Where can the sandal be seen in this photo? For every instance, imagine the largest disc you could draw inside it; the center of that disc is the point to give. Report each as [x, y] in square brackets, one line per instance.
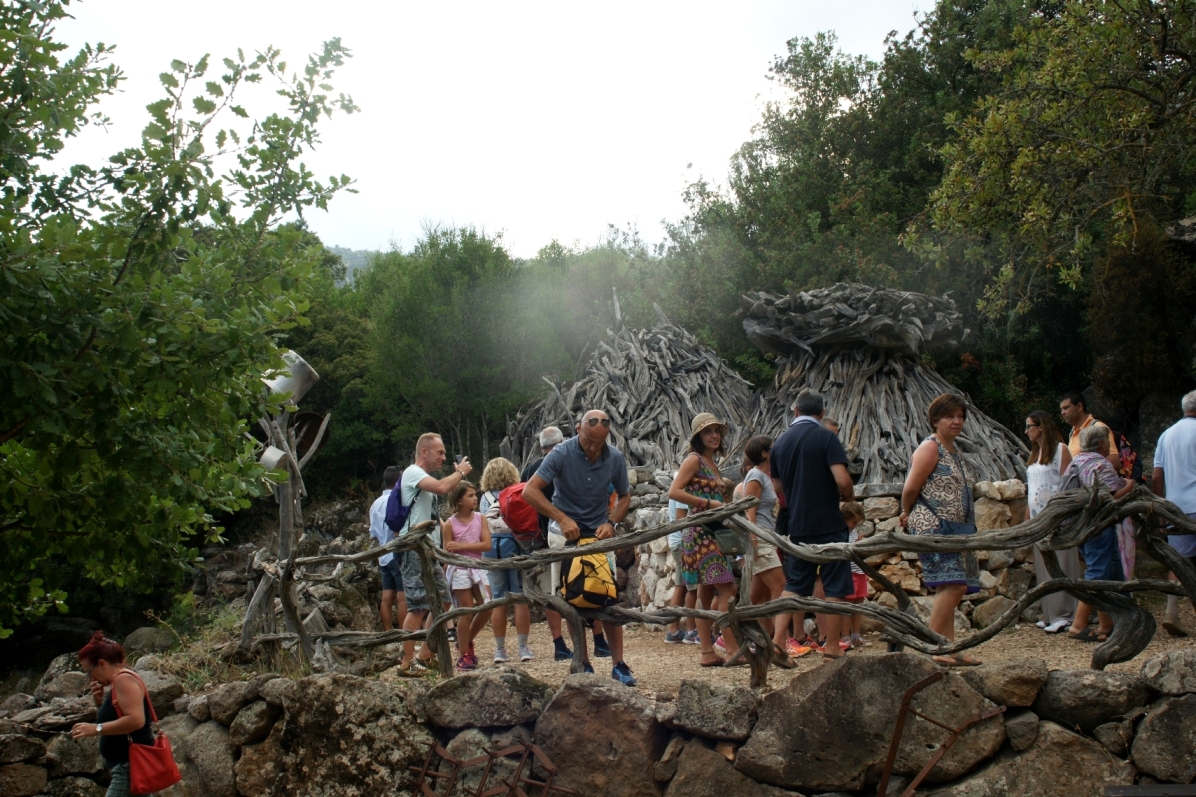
[718, 661]
[1087, 636]
[962, 660]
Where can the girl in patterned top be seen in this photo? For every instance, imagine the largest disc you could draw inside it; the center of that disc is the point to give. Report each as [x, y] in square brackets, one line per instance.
[937, 489]
[699, 486]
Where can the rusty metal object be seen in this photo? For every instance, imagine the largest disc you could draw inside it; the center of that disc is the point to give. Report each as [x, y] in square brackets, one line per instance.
[905, 709]
[513, 789]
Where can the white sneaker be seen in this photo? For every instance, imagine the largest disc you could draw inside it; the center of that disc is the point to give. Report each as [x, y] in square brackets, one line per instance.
[1041, 624]
[525, 653]
[501, 657]
[1057, 626]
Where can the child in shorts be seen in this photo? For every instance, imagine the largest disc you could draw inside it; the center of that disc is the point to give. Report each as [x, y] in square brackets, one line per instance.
[853, 515]
[467, 533]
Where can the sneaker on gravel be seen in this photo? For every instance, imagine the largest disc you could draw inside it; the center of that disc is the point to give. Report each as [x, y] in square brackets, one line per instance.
[452, 635]
[525, 653]
[674, 637]
[501, 657]
[588, 669]
[858, 641]
[413, 670]
[691, 638]
[562, 655]
[622, 673]
[718, 643]
[845, 643]
[602, 651]
[795, 649]
[467, 662]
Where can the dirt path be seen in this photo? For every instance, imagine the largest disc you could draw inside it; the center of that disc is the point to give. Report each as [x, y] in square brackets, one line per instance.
[661, 667]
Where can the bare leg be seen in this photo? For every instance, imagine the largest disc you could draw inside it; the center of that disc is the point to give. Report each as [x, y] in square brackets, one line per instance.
[691, 601]
[725, 593]
[706, 595]
[833, 624]
[464, 597]
[388, 600]
[412, 622]
[614, 639]
[677, 600]
[942, 618]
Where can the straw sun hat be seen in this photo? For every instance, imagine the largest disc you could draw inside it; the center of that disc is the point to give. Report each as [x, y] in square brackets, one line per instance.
[704, 420]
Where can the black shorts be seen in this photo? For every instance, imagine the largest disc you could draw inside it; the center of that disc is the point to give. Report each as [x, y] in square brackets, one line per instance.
[392, 578]
[800, 575]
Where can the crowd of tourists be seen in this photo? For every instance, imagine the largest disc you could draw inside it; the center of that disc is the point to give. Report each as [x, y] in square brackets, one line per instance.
[578, 492]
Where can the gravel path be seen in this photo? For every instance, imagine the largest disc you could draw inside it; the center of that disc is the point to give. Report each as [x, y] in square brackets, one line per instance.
[661, 667]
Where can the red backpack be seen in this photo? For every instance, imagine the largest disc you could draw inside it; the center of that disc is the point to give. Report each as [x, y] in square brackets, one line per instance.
[518, 514]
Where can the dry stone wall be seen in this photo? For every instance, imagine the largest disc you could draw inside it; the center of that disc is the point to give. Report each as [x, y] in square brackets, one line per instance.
[1065, 733]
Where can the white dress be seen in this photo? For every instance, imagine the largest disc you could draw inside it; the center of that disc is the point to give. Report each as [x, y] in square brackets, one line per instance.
[1042, 482]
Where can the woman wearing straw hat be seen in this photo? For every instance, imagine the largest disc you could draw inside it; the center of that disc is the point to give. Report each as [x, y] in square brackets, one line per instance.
[699, 486]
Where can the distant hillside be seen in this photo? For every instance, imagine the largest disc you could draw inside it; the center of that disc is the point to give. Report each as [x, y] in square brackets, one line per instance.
[354, 258]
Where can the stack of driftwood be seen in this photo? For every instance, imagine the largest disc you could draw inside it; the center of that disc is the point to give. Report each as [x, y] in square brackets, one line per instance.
[651, 383]
[850, 315]
[859, 347]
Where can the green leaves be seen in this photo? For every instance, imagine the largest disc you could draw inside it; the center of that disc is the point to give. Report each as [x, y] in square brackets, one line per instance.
[141, 310]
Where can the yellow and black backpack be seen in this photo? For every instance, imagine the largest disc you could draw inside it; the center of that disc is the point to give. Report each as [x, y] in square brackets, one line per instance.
[587, 580]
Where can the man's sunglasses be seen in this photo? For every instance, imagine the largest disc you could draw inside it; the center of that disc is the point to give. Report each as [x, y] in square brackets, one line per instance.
[595, 421]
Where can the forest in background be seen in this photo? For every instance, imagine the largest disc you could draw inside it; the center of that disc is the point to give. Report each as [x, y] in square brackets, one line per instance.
[1025, 156]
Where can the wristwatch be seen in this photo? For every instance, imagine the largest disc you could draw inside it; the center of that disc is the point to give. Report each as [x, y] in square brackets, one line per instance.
[99, 729]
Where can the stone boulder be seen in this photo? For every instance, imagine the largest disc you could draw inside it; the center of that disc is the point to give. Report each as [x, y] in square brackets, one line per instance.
[15, 704]
[163, 690]
[199, 709]
[74, 786]
[1115, 736]
[704, 772]
[67, 662]
[341, 734]
[1172, 673]
[991, 610]
[487, 698]
[275, 690]
[67, 756]
[210, 752]
[227, 699]
[1015, 682]
[1085, 699]
[150, 639]
[68, 684]
[1165, 745]
[16, 747]
[1059, 764]
[602, 736]
[258, 769]
[716, 712]
[991, 514]
[1022, 729]
[850, 707]
[60, 715]
[21, 780]
[253, 723]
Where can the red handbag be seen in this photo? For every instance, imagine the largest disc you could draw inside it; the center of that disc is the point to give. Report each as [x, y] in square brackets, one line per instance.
[151, 766]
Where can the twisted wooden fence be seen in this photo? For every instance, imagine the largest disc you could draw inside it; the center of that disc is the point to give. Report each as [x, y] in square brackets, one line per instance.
[1068, 520]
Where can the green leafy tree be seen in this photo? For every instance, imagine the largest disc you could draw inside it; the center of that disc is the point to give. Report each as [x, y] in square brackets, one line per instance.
[142, 302]
[1088, 141]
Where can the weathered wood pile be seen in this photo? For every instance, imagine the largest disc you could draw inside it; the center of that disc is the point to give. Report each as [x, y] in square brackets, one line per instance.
[651, 383]
[847, 314]
[859, 347]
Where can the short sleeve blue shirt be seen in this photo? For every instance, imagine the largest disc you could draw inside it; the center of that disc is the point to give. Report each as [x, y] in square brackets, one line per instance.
[580, 487]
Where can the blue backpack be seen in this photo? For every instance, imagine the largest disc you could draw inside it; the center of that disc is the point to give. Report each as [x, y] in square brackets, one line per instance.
[396, 512]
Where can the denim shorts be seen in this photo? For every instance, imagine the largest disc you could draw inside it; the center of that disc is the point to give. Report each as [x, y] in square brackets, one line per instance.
[1102, 557]
[392, 577]
[800, 575]
[503, 546]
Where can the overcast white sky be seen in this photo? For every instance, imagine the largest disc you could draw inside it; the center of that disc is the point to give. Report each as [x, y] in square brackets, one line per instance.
[536, 120]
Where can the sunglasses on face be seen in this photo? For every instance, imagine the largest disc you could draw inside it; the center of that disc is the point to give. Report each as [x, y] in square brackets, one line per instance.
[595, 421]
[1031, 426]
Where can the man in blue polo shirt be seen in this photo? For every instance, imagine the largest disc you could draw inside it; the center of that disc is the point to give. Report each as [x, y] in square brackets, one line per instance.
[811, 465]
[581, 471]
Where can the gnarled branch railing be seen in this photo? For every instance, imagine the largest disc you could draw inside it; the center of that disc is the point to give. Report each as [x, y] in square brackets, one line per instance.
[1068, 520]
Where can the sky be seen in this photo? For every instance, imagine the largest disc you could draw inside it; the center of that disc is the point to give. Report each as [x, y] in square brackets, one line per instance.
[536, 121]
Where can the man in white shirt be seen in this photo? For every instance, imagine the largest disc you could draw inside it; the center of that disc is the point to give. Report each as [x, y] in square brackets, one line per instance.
[1174, 478]
[392, 580]
[416, 491]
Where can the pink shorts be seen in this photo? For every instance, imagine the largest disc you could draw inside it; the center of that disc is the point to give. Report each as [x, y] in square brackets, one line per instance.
[860, 581]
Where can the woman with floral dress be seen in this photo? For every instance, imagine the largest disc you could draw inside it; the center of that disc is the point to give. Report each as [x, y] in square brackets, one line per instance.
[937, 489]
[699, 486]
